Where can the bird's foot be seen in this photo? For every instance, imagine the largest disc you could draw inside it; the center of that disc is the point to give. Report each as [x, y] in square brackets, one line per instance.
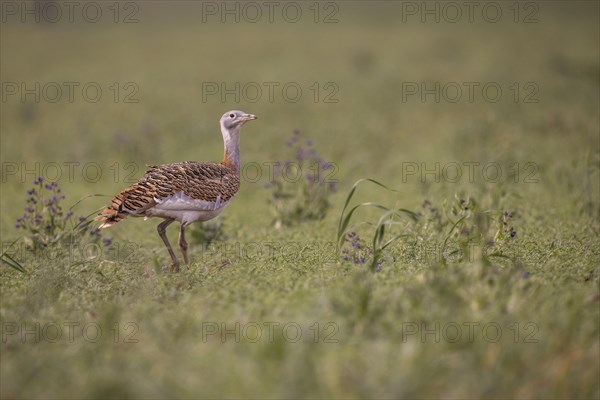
[175, 267]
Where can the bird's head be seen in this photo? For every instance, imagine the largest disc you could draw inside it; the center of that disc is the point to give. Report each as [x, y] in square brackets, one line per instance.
[235, 119]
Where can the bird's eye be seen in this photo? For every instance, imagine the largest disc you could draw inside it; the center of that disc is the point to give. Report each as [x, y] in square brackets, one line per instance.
[231, 115]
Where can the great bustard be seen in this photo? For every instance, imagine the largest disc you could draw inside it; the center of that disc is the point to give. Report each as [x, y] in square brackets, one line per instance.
[186, 192]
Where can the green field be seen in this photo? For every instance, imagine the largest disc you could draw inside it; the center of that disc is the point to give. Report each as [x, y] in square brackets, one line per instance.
[487, 132]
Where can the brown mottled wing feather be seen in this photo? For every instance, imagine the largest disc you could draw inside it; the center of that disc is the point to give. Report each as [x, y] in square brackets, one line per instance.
[200, 181]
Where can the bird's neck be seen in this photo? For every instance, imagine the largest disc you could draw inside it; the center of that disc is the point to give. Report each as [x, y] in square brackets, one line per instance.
[231, 141]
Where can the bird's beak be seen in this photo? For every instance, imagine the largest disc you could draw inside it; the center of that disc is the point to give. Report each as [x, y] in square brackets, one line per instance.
[248, 117]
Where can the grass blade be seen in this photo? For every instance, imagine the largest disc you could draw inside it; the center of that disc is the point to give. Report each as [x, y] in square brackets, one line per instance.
[346, 220]
[11, 261]
[351, 194]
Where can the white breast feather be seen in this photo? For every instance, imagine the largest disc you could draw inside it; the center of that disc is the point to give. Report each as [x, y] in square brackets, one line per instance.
[181, 202]
[186, 209]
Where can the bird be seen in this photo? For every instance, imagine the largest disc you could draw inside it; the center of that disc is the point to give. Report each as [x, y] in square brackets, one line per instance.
[186, 192]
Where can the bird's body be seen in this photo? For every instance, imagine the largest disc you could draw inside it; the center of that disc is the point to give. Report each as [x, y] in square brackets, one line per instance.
[186, 192]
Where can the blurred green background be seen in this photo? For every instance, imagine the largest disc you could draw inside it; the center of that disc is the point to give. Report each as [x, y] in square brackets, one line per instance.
[365, 54]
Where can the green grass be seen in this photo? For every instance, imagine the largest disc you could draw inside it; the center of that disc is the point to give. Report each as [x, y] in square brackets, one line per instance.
[540, 288]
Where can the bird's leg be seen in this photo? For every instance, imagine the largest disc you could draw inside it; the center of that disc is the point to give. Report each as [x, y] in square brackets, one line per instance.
[182, 243]
[162, 227]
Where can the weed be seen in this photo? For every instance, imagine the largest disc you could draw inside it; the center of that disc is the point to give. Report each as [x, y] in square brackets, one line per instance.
[300, 189]
[463, 223]
[45, 222]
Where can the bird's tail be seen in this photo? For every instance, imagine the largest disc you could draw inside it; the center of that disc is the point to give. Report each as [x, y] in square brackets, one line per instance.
[111, 215]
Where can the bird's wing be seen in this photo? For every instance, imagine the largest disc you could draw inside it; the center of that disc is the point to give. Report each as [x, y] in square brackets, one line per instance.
[198, 180]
